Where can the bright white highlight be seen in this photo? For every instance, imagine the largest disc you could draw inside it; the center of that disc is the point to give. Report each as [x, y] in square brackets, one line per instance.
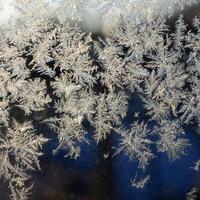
[97, 15]
[7, 10]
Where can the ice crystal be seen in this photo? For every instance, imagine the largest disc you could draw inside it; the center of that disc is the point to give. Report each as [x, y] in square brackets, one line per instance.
[48, 58]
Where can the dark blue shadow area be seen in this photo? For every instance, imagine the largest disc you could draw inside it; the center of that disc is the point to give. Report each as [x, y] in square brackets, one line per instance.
[94, 176]
[97, 175]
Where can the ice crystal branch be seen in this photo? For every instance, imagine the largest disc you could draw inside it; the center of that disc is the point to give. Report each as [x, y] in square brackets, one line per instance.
[136, 144]
[20, 150]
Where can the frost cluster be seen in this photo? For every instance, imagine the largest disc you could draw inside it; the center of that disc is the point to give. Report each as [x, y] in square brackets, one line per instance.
[50, 60]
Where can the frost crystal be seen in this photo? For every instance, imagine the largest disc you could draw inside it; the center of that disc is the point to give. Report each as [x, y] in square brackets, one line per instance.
[50, 61]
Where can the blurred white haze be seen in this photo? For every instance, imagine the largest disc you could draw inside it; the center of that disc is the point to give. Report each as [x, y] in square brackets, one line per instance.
[98, 14]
